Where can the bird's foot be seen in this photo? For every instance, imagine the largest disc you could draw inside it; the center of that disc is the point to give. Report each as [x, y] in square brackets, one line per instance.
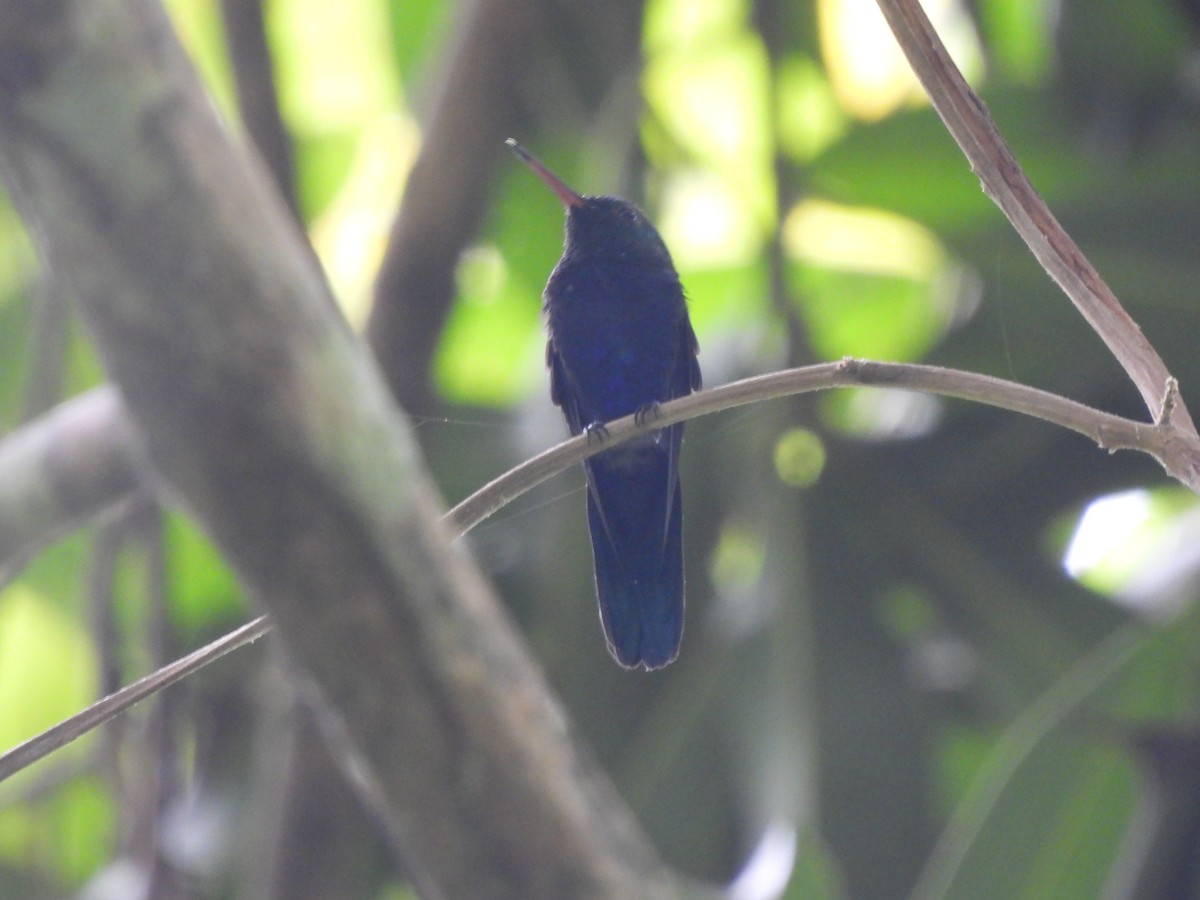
[596, 431]
[644, 414]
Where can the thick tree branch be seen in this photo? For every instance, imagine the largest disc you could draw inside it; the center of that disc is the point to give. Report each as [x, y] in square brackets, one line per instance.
[63, 469]
[266, 417]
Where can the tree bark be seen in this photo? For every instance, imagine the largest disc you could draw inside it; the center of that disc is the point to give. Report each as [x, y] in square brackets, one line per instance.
[64, 468]
[268, 421]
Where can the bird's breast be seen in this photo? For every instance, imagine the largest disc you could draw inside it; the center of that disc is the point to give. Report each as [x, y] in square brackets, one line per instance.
[616, 331]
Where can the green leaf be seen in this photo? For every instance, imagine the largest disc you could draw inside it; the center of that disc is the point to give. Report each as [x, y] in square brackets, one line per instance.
[47, 669]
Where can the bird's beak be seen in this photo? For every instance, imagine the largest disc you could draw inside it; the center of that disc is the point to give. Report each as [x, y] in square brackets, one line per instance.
[556, 184]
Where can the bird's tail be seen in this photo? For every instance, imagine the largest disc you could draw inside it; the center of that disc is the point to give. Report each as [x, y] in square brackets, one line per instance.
[635, 516]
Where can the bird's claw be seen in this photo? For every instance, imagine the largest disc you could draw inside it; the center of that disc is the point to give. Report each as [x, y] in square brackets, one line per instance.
[596, 431]
[644, 414]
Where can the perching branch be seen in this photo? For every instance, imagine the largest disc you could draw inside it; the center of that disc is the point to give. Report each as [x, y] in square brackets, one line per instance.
[1108, 431]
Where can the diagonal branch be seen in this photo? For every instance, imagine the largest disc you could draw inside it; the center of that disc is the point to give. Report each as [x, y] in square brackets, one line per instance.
[245, 29]
[29, 752]
[967, 119]
[473, 106]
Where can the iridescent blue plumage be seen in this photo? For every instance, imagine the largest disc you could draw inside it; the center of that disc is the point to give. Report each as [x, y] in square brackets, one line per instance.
[621, 342]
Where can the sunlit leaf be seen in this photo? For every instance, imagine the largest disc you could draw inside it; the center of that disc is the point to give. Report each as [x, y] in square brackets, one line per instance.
[336, 67]
[46, 665]
[671, 23]
[868, 283]
[1124, 543]
[706, 222]
[1018, 37]
[799, 457]
[726, 302]
[419, 29]
[860, 314]
[809, 117]
[709, 87]
[352, 231]
[867, 69]
[85, 820]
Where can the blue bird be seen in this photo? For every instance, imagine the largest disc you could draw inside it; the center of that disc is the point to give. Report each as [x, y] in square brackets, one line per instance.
[620, 342]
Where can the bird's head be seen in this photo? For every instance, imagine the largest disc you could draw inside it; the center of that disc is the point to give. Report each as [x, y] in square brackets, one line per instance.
[601, 227]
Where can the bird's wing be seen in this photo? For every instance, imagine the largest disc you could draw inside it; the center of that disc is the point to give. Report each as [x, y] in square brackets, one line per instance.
[684, 380]
[561, 392]
[688, 373]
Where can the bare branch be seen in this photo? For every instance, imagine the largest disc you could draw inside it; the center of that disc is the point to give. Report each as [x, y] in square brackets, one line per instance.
[1005, 182]
[498, 66]
[1108, 431]
[101, 711]
[245, 31]
[472, 107]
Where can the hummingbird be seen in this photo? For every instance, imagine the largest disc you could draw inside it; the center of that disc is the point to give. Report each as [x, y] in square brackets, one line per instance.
[620, 342]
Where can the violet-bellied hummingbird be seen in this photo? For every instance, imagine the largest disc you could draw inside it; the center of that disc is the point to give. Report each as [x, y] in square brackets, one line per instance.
[620, 342]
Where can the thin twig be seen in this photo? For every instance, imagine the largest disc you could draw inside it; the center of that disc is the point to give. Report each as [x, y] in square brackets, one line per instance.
[81, 723]
[1108, 431]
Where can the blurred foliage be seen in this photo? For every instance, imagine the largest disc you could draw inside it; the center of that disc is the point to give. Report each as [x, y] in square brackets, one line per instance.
[889, 685]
